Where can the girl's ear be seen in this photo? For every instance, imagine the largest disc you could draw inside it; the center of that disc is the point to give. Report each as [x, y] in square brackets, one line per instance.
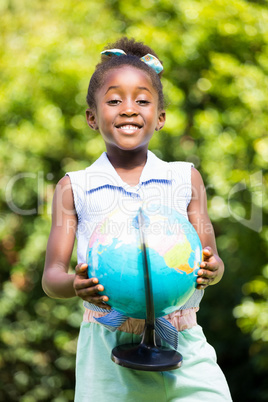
[91, 119]
[161, 120]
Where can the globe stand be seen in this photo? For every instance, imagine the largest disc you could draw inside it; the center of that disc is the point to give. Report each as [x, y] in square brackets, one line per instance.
[146, 355]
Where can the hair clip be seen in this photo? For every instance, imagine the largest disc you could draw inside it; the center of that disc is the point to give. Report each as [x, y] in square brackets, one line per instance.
[148, 59]
[113, 52]
[153, 62]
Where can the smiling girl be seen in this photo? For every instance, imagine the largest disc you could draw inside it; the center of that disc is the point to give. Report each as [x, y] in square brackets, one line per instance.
[126, 105]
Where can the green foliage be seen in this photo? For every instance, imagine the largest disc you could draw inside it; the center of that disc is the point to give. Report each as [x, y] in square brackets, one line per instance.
[215, 55]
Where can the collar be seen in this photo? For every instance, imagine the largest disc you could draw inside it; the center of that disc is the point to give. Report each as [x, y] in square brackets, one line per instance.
[102, 173]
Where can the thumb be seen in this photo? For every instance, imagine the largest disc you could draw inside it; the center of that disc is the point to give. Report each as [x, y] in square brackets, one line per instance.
[81, 270]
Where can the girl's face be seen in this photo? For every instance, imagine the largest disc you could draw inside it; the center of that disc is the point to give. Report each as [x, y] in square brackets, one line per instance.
[127, 111]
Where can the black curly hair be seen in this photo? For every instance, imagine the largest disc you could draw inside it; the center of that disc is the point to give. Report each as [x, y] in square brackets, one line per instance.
[134, 51]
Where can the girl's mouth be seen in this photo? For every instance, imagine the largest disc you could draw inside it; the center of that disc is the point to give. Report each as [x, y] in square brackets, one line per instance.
[128, 128]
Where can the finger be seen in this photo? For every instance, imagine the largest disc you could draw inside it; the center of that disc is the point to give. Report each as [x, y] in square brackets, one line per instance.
[206, 275]
[210, 266]
[93, 292]
[207, 252]
[100, 301]
[202, 283]
[81, 269]
[91, 283]
[200, 287]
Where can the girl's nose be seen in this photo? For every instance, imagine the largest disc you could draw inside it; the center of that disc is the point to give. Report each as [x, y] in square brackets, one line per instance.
[129, 109]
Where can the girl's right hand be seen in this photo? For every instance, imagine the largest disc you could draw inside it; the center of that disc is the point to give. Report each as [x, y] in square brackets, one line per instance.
[88, 288]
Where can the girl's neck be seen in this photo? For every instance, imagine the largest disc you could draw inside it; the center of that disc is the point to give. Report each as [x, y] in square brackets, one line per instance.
[127, 160]
[128, 165]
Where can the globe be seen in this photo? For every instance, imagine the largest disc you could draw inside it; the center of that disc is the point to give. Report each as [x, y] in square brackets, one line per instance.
[173, 250]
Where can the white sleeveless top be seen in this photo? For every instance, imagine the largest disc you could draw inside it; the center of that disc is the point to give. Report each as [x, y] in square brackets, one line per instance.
[98, 190]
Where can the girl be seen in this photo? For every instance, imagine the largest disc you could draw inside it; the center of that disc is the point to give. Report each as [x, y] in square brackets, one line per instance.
[126, 105]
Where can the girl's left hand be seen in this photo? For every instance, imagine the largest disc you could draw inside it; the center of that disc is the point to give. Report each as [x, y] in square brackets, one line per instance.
[209, 269]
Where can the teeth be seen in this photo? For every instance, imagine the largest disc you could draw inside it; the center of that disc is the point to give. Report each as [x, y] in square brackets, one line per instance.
[129, 127]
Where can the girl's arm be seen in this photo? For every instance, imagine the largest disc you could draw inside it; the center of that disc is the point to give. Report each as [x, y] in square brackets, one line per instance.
[56, 281]
[212, 267]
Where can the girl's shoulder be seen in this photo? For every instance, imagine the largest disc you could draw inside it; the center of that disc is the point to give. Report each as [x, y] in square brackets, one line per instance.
[181, 171]
[181, 164]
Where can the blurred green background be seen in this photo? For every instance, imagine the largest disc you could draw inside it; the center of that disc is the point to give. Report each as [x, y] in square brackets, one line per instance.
[215, 55]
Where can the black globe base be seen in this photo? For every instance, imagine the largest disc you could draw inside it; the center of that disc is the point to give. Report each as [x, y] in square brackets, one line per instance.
[146, 358]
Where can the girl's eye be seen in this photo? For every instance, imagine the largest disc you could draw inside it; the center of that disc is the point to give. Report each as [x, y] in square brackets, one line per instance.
[143, 102]
[113, 102]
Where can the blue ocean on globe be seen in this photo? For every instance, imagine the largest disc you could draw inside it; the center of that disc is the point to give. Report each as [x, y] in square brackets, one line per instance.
[174, 254]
